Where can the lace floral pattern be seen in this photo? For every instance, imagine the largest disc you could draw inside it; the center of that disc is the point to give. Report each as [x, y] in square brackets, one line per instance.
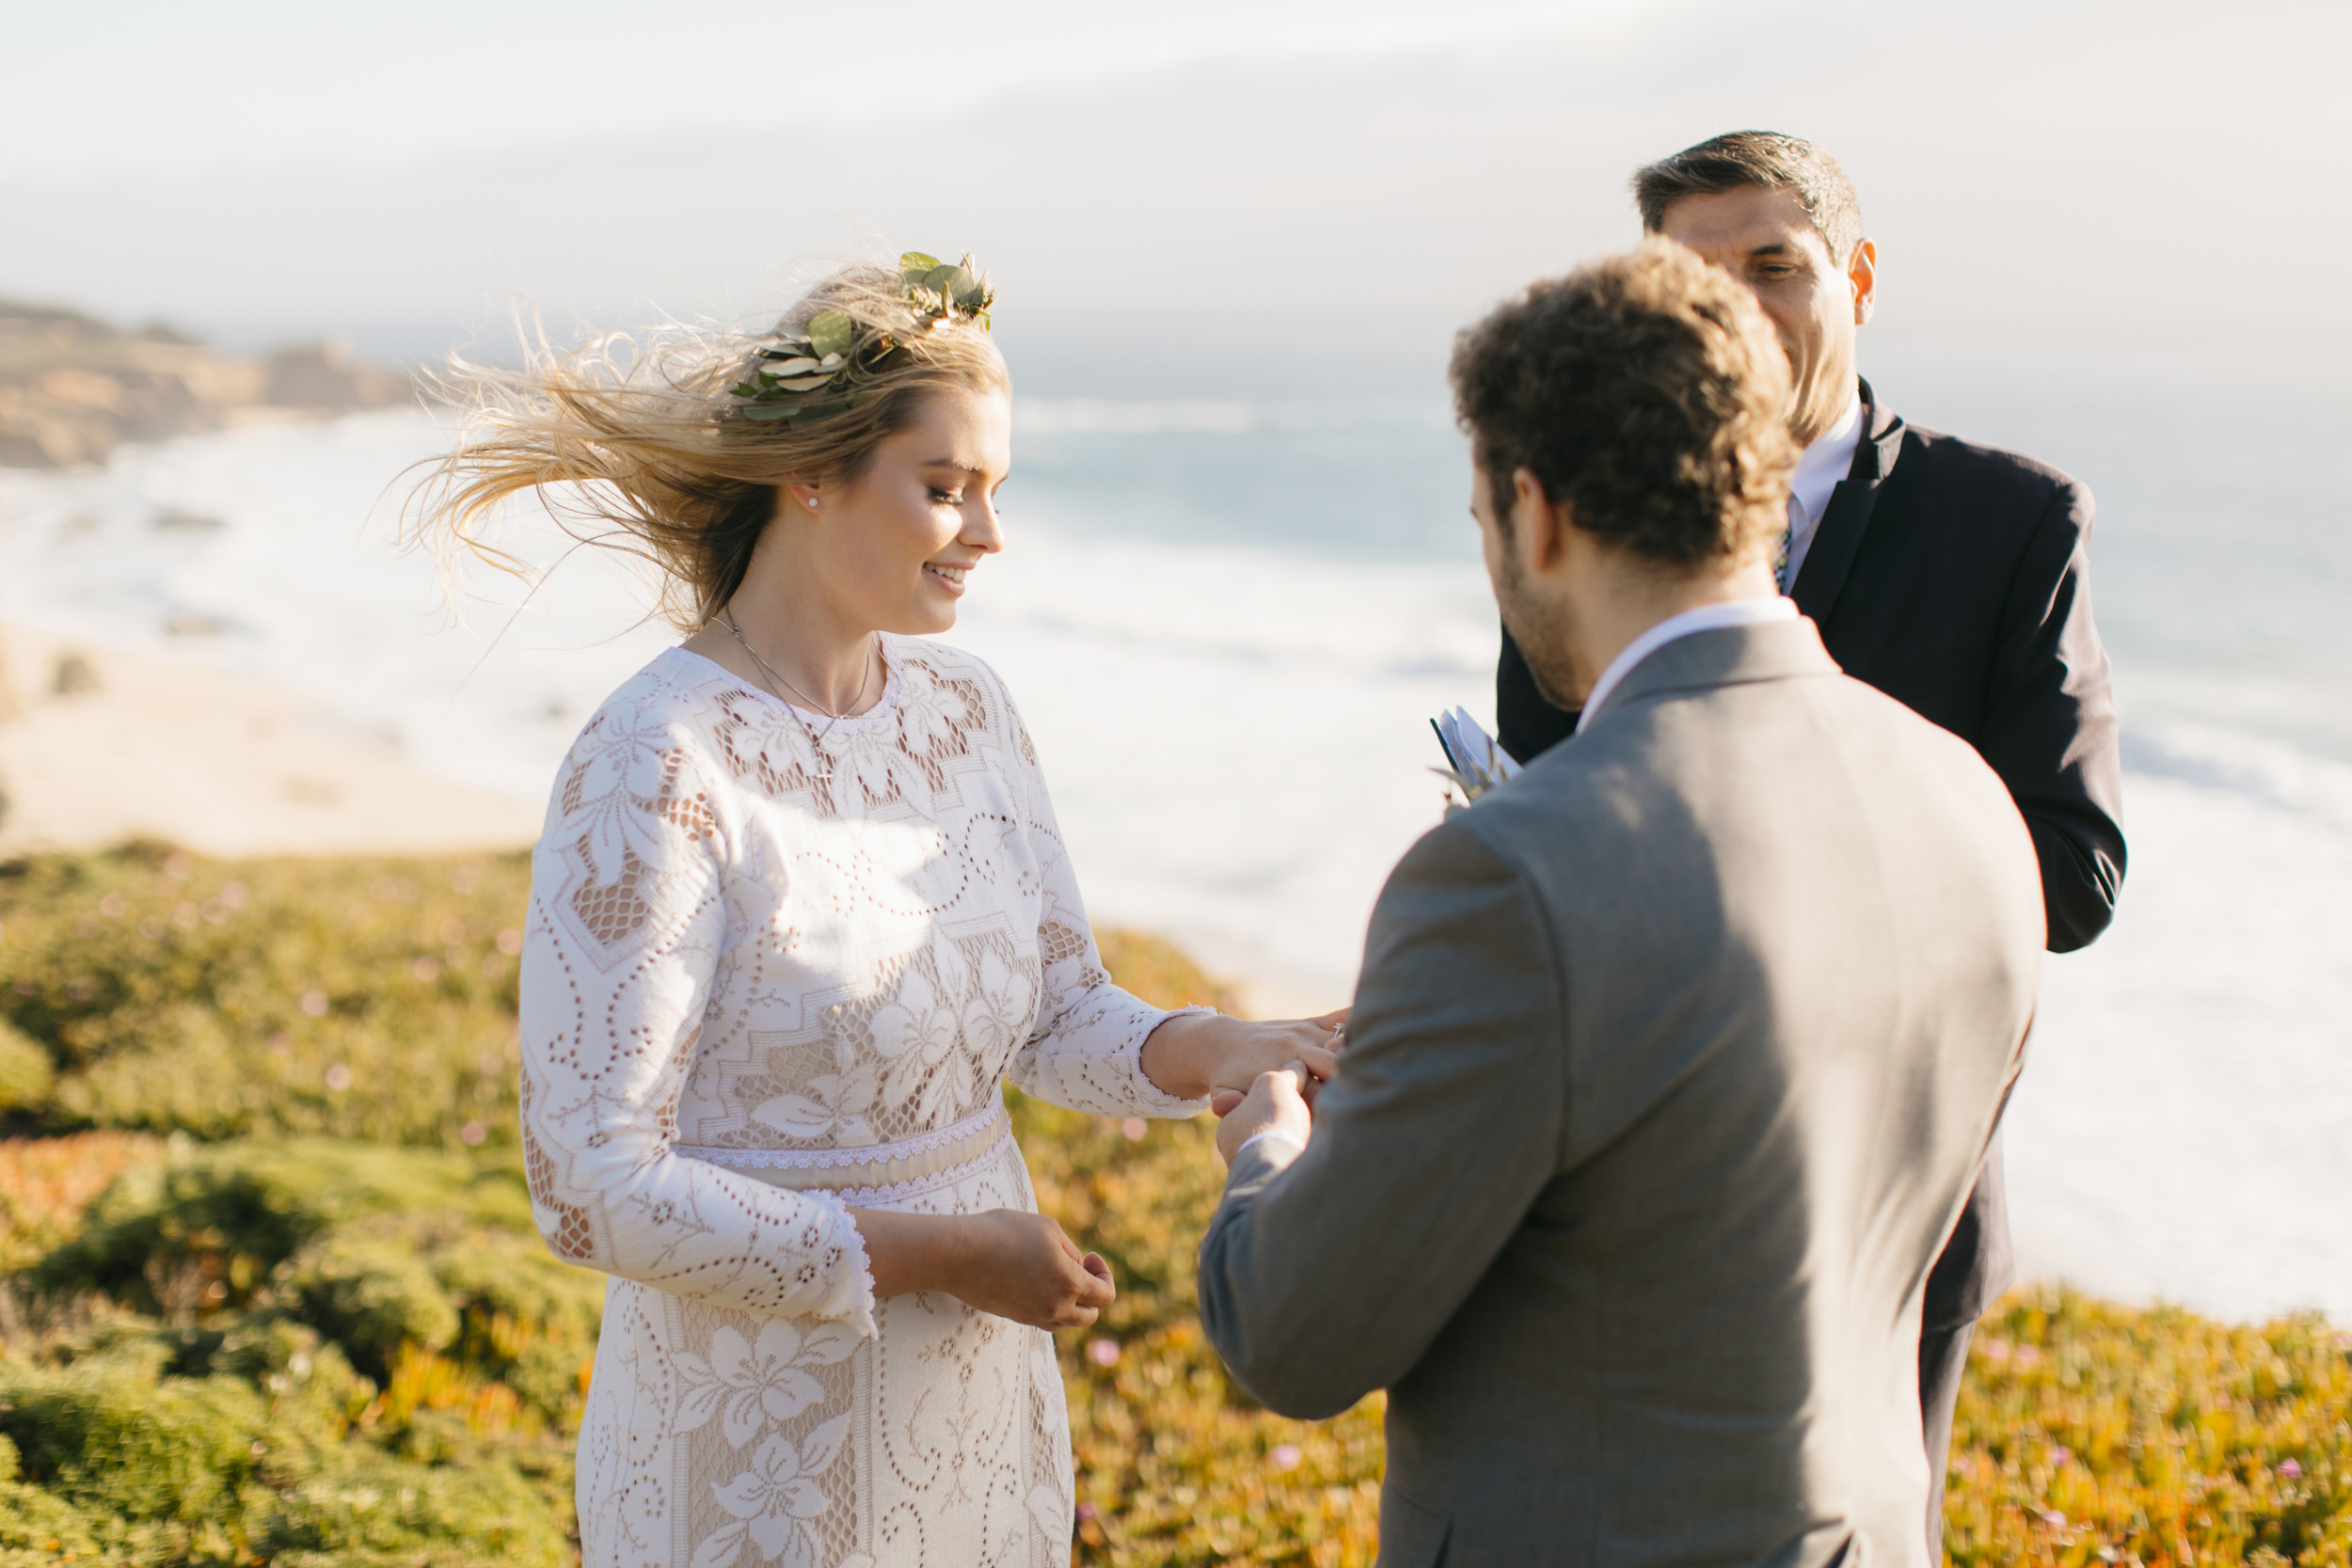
[770, 957]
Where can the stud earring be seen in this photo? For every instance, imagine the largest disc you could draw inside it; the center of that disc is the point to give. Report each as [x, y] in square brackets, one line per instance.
[812, 504]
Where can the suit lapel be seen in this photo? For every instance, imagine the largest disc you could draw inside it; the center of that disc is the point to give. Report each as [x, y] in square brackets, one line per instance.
[1848, 516]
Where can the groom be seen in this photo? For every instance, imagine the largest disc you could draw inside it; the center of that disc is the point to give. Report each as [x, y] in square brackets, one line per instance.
[1673, 1060]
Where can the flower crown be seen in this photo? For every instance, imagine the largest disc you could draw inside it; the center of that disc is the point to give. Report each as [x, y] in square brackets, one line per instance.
[817, 371]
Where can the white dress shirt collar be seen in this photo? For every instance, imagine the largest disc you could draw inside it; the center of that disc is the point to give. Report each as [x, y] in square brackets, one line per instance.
[1819, 466]
[1708, 617]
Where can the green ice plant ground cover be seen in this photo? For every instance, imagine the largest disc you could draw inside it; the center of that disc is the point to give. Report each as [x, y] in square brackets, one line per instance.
[149, 989]
[305, 1351]
[272, 1294]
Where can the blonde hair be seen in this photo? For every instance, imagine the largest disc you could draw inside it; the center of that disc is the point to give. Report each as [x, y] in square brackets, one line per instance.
[654, 449]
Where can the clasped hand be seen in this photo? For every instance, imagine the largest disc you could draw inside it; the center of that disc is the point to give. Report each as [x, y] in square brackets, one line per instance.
[1265, 1077]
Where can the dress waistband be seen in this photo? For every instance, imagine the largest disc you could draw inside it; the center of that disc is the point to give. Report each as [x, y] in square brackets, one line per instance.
[874, 1171]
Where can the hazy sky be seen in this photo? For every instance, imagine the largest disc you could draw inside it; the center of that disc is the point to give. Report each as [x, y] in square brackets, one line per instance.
[1196, 176]
[184, 87]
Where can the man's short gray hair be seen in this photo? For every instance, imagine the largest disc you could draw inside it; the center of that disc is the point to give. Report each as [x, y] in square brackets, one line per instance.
[1765, 159]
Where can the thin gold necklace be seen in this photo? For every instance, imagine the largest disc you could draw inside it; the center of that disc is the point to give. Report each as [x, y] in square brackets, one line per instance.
[815, 738]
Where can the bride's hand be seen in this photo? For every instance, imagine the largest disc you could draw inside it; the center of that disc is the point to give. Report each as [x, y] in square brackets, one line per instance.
[1312, 1043]
[1199, 1054]
[1024, 1268]
[1006, 1262]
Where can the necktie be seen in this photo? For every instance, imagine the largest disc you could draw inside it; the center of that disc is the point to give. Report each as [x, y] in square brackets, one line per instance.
[1788, 538]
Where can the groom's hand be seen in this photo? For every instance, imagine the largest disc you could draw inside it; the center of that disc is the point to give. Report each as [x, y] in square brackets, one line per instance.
[1278, 1103]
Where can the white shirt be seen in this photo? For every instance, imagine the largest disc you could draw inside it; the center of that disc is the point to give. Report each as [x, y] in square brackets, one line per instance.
[1273, 1135]
[1819, 469]
[1708, 617]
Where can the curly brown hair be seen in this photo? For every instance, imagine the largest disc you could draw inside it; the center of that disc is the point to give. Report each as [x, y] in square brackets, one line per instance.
[1644, 392]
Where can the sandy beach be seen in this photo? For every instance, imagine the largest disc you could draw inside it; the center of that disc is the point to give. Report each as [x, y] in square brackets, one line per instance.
[98, 746]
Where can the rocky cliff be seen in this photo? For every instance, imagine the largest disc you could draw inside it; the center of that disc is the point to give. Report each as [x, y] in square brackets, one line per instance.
[72, 387]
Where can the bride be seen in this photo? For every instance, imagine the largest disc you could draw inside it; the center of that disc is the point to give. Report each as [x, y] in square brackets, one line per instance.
[799, 910]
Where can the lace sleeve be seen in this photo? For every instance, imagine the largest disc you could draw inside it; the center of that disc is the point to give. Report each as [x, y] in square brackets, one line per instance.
[1087, 1049]
[627, 929]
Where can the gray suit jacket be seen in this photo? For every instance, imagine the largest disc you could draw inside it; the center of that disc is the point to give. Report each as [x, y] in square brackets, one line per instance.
[1672, 1065]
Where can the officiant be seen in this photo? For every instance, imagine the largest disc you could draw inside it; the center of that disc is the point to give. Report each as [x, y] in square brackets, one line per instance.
[1950, 575]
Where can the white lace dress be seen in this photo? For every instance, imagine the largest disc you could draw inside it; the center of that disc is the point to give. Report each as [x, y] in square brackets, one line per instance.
[759, 989]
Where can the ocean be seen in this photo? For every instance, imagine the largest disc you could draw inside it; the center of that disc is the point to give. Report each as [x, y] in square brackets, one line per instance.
[1229, 620]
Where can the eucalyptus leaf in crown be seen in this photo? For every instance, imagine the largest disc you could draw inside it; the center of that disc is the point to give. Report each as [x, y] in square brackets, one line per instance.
[817, 371]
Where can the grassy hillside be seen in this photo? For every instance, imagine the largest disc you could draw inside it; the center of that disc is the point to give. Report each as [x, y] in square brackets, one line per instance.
[147, 989]
[273, 1296]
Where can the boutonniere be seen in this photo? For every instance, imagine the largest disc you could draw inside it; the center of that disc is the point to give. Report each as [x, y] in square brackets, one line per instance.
[1473, 762]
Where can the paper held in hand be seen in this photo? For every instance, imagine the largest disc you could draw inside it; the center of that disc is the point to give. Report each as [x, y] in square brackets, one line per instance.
[1474, 761]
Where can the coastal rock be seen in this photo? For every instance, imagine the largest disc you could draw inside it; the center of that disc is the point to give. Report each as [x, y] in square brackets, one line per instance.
[74, 675]
[72, 387]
